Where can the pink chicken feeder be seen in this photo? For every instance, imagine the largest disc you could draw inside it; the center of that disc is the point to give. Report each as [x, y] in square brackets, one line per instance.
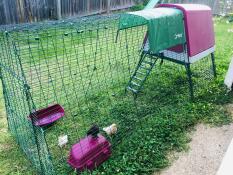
[47, 116]
[90, 151]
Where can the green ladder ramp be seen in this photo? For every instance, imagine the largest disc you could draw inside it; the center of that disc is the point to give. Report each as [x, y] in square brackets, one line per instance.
[141, 73]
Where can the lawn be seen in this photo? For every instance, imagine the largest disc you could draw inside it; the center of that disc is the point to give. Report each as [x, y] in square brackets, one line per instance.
[160, 123]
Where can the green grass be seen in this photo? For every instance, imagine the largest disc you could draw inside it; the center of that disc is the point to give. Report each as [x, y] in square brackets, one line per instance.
[12, 160]
[159, 125]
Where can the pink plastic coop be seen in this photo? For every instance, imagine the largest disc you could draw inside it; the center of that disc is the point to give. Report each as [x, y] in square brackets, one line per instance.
[199, 30]
[180, 33]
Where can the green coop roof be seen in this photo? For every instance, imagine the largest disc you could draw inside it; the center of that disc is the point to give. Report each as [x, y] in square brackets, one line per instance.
[143, 17]
[165, 26]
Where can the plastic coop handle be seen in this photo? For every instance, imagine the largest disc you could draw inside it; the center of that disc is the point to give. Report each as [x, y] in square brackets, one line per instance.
[151, 4]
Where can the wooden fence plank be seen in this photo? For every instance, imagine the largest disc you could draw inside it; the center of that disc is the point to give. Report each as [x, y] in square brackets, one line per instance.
[108, 6]
[58, 3]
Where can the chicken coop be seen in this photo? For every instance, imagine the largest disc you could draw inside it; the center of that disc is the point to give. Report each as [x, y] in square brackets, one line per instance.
[63, 81]
[184, 34]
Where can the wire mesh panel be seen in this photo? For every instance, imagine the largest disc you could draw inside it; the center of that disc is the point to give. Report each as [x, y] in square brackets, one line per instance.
[18, 106]
[79, 65]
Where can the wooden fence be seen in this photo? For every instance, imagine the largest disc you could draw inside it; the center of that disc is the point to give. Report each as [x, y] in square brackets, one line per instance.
[20, 11]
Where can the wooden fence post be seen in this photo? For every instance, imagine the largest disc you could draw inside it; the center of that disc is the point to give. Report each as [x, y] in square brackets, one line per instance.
[88, 7]
[6, 12]
[108, 6]
[101, 6]
[58, 9]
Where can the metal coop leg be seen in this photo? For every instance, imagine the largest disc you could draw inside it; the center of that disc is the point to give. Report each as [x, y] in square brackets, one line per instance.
[189, 74]
[213, 64]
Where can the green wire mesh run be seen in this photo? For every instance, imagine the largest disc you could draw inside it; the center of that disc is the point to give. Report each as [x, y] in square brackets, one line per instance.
[84, 65]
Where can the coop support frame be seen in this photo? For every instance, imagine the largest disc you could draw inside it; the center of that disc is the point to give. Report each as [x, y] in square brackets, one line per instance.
[187, 64]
